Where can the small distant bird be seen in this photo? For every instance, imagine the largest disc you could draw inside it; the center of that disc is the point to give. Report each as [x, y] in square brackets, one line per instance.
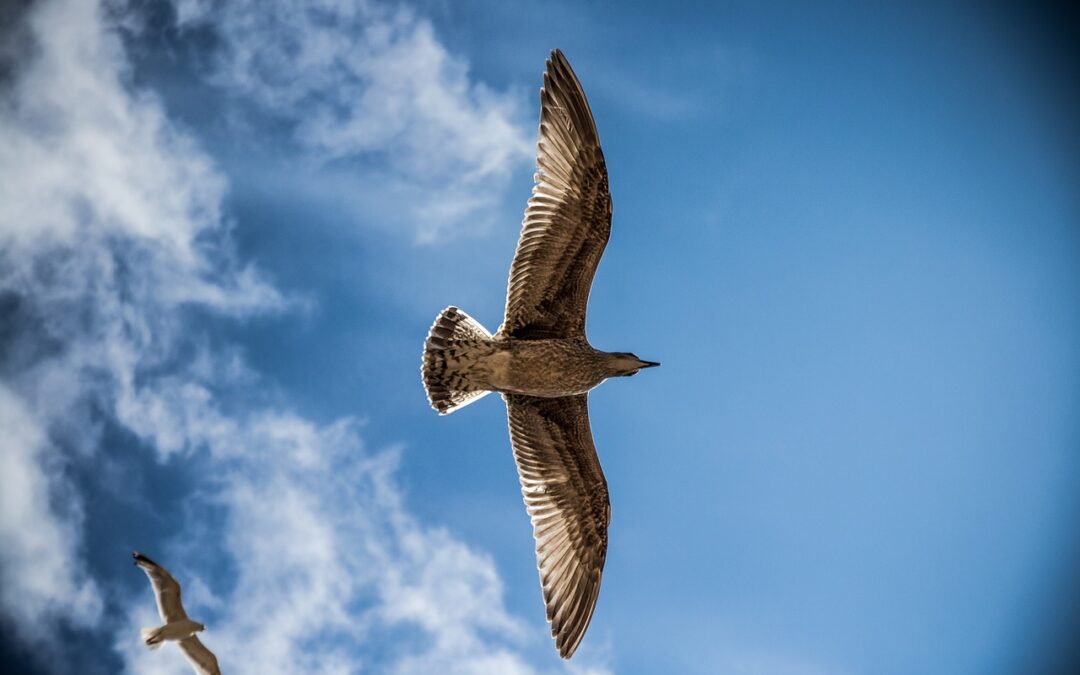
[178, 627]
[540, 360]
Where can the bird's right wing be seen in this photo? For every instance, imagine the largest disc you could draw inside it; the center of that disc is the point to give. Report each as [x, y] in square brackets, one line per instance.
[568, 219]
[202, 659]
[166, 589]
[567, 499]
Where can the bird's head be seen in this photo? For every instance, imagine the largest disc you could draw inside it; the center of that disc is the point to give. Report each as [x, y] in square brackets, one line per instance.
[625, 364]
[201, 627]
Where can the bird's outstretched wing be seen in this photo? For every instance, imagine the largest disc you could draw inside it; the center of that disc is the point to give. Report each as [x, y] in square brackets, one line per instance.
[567, 499]
[567, 221]
[166, 589]
[202, 659]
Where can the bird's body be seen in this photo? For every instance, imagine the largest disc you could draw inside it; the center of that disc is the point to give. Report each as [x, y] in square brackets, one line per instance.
[540, 360]
[546, 368]
[174, 631]
[552, 367]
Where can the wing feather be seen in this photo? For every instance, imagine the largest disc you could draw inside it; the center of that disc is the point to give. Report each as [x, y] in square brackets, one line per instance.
[202, 659]
[567, 499]
[568, 218]
[166, 589]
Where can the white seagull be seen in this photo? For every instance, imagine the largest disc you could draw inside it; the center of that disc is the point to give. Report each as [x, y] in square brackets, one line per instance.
[178, 627]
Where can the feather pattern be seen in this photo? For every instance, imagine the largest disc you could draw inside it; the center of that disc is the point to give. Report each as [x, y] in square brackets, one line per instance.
[568, 218]
[567, 499]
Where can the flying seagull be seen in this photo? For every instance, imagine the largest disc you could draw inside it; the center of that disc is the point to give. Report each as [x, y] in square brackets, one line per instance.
[178, 627]
[540, 360]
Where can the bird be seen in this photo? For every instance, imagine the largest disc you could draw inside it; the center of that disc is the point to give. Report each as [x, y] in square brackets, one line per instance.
[540, 360]
[178, 627]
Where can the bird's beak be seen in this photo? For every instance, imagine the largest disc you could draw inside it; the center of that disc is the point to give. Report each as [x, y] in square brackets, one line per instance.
[648, 364]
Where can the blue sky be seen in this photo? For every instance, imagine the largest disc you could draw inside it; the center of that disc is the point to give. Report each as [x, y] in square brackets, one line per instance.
[849, 234]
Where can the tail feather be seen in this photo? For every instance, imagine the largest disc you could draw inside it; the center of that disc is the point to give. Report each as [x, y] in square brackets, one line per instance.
[151, 637]
[452, 332]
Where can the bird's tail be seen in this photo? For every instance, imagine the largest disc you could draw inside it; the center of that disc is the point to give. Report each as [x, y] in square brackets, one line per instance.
[445, 351]
[151, 637]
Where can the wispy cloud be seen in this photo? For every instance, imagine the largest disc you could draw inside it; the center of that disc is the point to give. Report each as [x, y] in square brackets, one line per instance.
[332, 573]
[109, 223]
[38, 573]
[112, 238]
[358, 80]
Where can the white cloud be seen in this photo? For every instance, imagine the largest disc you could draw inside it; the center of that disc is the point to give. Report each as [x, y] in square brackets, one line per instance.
[106, 218]
[90, 163]
[357, 80]
[111, 232]
[37, 546]
[328, 563]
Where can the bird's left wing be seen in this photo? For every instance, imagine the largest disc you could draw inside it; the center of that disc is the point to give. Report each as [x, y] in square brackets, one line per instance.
[166, 589]
[567, 499]
[202, 659]
[568, 220]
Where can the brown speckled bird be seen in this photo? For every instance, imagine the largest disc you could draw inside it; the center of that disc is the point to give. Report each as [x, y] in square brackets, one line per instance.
[540, 360]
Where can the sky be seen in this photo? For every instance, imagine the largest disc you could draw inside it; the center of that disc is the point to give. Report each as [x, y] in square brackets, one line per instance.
[851, 235]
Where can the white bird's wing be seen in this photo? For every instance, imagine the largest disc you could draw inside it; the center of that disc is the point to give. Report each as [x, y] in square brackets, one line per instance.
[567, 221]
[567, 499]
[202, 659]
[166, 589]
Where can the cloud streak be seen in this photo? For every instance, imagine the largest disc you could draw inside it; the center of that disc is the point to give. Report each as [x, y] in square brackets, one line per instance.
[332, 573]
[38, 573]
[110, 223]
[369, 89]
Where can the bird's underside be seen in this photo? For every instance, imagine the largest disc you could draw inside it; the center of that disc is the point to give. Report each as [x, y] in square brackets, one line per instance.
[564, 232]
[177, 627]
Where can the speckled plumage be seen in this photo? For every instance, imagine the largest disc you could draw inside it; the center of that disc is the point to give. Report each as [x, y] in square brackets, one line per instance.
[553, 367]
[540, 360]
